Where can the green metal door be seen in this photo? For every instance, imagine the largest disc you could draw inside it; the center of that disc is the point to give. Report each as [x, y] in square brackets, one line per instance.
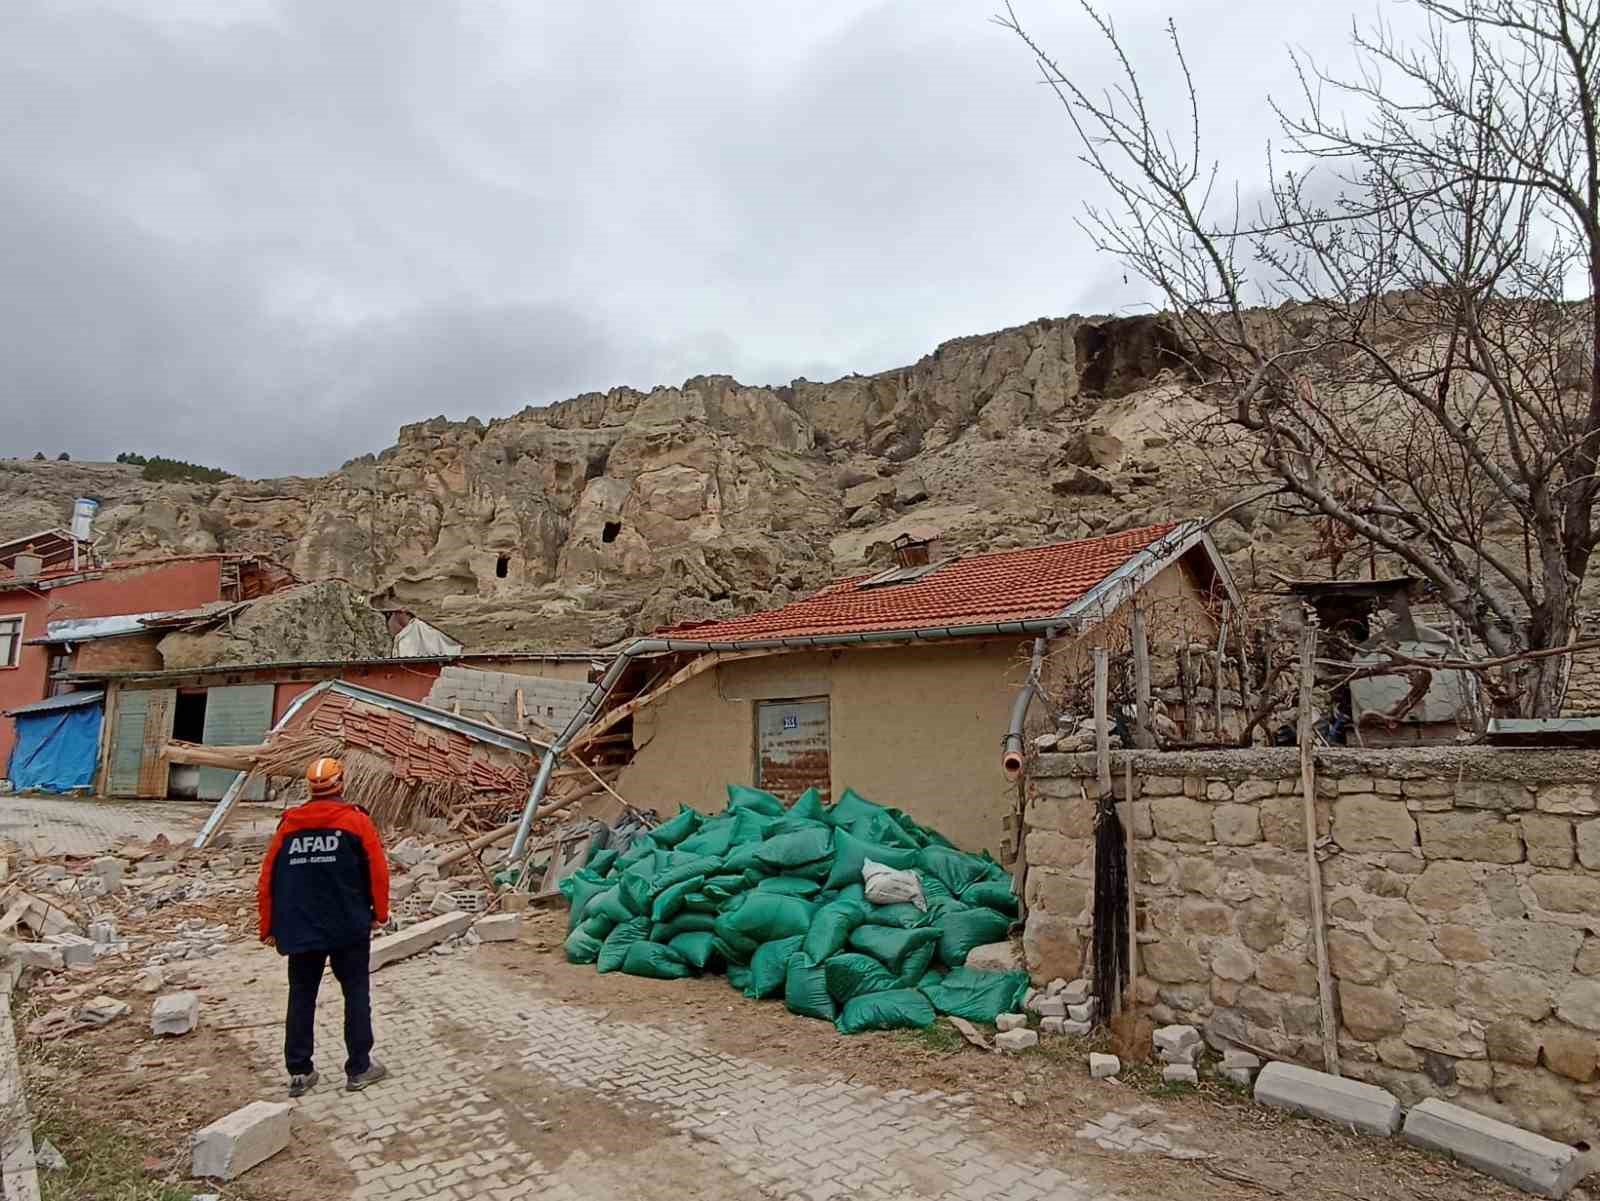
[236, 716]
[127, 742]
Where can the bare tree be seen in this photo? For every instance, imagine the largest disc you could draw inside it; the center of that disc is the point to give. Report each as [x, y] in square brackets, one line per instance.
[1402, 334]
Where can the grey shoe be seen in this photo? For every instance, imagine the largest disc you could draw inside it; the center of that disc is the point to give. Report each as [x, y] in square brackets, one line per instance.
[374, 1073]
[299, 1086]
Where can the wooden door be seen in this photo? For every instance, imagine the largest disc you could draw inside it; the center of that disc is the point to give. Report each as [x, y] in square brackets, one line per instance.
[153, 767]
[127, 742]
[792, 748]
[236, 716]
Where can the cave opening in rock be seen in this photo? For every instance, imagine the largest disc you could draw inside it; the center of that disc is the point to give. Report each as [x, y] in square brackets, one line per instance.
[610, 531]
[502, 566]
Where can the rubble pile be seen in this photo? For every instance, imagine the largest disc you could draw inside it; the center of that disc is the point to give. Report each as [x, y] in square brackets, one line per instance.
[852, 913]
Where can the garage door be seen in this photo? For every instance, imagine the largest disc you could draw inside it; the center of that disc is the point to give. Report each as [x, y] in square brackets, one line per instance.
[792, 748]
[142, 725]
[236, 716]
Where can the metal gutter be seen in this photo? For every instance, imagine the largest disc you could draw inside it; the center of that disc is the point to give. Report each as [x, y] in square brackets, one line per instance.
[466, 659]
[1011, 758]
[1091, 606]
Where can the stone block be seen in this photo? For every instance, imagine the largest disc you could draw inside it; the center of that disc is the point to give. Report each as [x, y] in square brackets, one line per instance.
[1231, 962]
[75, 949]
[1528, 1161]
[1180, 1073]
[1179, 819]
[1474, 837]
[1011, 1021]
[175, 1014]
[1085, 1012]
[1589, 844]
[1343, 1102]
[1173, 1040]
[1372, 823]
[1251, 792]
[1571, 1053]
[1201, 916]
[101, 1010]
[1052, 1025]
[424, 935]
[1588, 960]
[1502, 796]
[1048, 1007]
[1568, 894]
[1283, 822]
[1173, 961]
[1015, 1041]
[103, 933]
[994, 957]
[1579, 1004]
[1370, 1013]
[1549, 839]
[499, 927]
[1103, 1066]
[1445, 886]
[1512, 1040]
[1051, 944]
[1075, 993]
[1076, 1029]
[1239, 1067]
[234, 1144]
[44, 956]
[1261, 924]
[1236, 825]
[1576, 800]
[109, 869]
[1354, 958]
[1284, 973]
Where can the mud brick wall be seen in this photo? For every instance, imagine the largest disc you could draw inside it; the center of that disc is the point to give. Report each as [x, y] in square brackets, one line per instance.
[1462, 894]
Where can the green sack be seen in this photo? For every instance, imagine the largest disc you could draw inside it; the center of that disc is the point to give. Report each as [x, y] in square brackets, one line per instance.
[851, 808]
[601, 862]
[738, 975]
[793, 886]
[992, 894]
[753, 799]
[750, 826]
[791, 825]
[957, 872]
[850, 852]
[724, 886]
[685, 923]
[615, 948]
[580, 888]
[905, 915]
[882, 830]
[609, 904]
[830, 929]
[853, 975]
[638, 891]
[896, 1009]
[695, 947]
[598, 925]
[699, 902]
[769, 967]
[759, 917]
[931, 977]
[933, 888]
[978, 996]
[744, 858]
[805, 990]
[916, 965]
[735, 949]
[637, 850]
[652, 960]
[670, 901]
[671, 833]
[803, 846]
[891, 946]
[809, 806]
[960, 932]
[582, 947]
[714, 838]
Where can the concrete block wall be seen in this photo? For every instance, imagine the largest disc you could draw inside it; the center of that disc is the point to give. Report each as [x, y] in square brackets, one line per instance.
[550, 702]
[1462, 894]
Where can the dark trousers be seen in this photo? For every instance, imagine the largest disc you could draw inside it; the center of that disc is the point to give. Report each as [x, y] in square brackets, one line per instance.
[299, 1027]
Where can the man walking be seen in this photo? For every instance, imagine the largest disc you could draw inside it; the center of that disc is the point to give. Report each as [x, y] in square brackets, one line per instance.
[324, 888]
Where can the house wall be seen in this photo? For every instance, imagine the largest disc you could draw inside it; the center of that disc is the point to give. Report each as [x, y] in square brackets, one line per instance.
[915, 727]
[411, 681]
[136, 652]
[1461, 888]
[184, 584]
[549, 669]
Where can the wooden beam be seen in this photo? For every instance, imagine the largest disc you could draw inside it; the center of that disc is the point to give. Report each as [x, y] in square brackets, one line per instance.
[1222, 642]
[683, 675]
[1308, 788]
[1102, 720]
[1144, 736]
[1128, 998]
[500, 834]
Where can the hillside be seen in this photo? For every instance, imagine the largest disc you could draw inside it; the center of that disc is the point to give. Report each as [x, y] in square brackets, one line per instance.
[607, 514]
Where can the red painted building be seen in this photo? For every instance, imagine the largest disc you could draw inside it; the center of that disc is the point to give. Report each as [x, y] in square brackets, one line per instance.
[33, 597]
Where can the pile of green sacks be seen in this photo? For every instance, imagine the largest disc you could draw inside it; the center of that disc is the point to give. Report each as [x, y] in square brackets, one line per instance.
[772, 896]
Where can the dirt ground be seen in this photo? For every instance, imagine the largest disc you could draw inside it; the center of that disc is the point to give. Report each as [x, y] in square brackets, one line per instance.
[1259, 1152]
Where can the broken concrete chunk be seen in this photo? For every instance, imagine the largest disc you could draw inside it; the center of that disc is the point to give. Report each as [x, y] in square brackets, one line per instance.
[1172, 1040]
[102, 1009]
[233, 1145]
[1052, 1025]
[1331, 1098]
[1180, 1073]
[75, 949]
[1531, 1162]
[152, 979]
[1013, 1041]
[108, 869]
[47, 1157]
[995, 957]
[1239, 1067]
[423, 936]
[175, 1014]
[500, 927]
[45, 956]
[1010, 1021]
[1054, 987]
[1102, 1066]
[401, 887]
[1075, 993]
[1076, 1029]
[1085, 1012]
[1048, 1007]
[104, 933]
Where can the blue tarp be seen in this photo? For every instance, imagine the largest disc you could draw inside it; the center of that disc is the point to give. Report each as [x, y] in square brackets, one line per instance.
[57, 750]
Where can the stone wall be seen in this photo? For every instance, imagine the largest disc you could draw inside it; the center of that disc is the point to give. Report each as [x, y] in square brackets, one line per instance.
[1462, 893]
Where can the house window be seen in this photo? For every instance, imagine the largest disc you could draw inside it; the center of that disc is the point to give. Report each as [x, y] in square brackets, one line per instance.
[56, 673]
[10, 641]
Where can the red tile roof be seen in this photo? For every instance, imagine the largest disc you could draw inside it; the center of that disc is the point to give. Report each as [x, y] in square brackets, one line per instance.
[1009, 585]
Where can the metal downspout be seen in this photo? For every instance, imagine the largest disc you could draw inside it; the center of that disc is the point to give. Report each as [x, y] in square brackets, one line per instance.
[1011, 756]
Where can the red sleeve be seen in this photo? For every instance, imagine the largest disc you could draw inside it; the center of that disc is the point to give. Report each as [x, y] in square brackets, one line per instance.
[264, 886]
[377, 868]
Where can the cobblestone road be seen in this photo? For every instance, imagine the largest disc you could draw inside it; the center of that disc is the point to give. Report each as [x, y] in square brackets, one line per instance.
[88, 826]
[501, 1092]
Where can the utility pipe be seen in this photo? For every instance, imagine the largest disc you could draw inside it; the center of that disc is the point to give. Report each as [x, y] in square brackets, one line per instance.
[1011, 757]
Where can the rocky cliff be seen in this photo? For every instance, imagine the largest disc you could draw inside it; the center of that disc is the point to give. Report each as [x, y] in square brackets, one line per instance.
[606, 514]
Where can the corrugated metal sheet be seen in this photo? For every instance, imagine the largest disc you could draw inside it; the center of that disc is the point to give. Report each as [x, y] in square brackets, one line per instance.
[67, 700]
[239, 715]
[792, 748]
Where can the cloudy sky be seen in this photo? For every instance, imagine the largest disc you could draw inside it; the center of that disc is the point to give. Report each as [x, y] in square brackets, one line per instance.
[262, 234]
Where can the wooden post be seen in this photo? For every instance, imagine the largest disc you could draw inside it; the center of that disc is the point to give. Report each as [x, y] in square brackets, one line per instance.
[1129, 997]
[1144, 736]
[1308, 787]
[1102, 720]
[1222, 642]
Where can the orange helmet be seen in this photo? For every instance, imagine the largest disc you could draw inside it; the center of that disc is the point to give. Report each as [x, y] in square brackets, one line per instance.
[325, 778]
